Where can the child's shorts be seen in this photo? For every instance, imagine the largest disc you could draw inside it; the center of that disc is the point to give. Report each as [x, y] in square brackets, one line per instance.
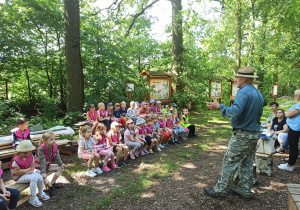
[148, 140]
[154, 136]
[85, 156]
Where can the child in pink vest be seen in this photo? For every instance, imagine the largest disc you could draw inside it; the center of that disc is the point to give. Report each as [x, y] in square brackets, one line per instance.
[152, 107]
[140, 134]
[92, 116]
[150, 137]
[21, 132]
[23, 172]
[48, 151]
[101, 147]
[7, 194]
[116, 144]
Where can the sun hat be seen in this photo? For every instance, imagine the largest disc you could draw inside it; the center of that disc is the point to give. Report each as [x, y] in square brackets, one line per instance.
[91, 105]
[129, 122]
[173, 105]
[140, 121]
[114, 124]
[247, 71]
[152, 101]
[137, 103]
[143, 103]
[158, 102]
[167, 106]
[25, 146]
[117, 104]
[110, 104]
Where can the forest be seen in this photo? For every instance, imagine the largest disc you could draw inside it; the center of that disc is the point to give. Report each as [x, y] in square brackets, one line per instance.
[58, 56]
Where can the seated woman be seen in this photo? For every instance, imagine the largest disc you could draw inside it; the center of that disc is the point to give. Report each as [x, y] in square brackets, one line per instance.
[278, 127]
[274, 107]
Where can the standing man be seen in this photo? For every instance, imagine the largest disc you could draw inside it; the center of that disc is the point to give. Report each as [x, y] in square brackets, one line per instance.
[245, 115]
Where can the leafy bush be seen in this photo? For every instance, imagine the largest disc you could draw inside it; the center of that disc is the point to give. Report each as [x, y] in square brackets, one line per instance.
[49, 108]
[8, 117]
[71, 118]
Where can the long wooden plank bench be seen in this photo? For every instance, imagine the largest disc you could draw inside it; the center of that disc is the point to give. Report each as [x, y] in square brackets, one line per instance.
[293, 196]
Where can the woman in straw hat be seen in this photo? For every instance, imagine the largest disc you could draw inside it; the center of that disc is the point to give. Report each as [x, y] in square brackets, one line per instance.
[22, 171]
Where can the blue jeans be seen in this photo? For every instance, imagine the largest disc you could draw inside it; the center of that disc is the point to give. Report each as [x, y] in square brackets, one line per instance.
[285, 144]
[14, 198]
[134, 119]
[179, 130]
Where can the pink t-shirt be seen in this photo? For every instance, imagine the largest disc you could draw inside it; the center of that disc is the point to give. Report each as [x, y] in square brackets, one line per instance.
[128, 133]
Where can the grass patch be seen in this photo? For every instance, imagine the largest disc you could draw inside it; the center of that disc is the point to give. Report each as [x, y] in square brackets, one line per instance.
[104, 203]
[187, 154]
[202, 146]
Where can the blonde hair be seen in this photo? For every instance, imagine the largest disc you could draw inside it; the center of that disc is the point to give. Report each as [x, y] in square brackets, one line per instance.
[101, 104]
[297, 95]
[47, 136]
[100, 127]
[168, 114]
[131, 103]
[123, 102]
[153, 117]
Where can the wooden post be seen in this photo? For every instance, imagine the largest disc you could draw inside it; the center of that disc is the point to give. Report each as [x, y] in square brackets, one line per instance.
[129, 96]
[170, 90]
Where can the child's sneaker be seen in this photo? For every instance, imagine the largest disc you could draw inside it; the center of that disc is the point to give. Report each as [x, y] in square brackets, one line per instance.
[142, 152]
[150, 151]
[115, 166]
[98, 170]
[137, 153]
[131, 155]
[44, 196]
[106, 169]
[91, 173]
[119, 164]
[126, 162]
[35, 201]
[158, 149]
[161, 146]
[184, 138]
[146, 151]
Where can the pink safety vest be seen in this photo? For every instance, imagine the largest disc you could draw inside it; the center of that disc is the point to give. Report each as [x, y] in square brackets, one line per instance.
[115, 138]
[102, 144]
[158, 109]
[102, 113]
[142, 111]
[23, 164]
[37, 163]
[152, 109]
[162, 124]
[169, 124]
[21, 135]
[109, 113]
[141, 130]
[149, 129]
[1, 172]
[93, 117]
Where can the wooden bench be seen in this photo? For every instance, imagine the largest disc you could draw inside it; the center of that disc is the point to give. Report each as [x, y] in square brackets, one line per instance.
[293, 196]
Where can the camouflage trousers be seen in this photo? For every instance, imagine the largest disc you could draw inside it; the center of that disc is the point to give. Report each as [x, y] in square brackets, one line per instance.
[240, 154]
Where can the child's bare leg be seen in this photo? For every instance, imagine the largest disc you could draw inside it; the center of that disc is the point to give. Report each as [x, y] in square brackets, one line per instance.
[119, 151]
[125, 148]
[91, 159]
[151, 145]
[155, 142]
[97, 159]
[58, 169]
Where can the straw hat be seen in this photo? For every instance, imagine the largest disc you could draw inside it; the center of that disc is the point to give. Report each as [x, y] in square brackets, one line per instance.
[25, 146]
[114, 124]
[247, 71]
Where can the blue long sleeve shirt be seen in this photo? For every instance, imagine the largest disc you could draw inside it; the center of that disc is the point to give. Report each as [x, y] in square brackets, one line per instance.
[246, 110]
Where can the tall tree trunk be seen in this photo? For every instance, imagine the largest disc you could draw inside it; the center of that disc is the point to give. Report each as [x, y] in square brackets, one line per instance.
[46, 63]
[62, 98]
[252, 32]
[6, 89]
[177, 43]
[261, 70]
[28, 86]
[238, 46]
[75, 99]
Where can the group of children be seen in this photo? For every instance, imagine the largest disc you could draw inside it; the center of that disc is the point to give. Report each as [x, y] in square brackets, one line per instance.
[31, 167]
[148, 128]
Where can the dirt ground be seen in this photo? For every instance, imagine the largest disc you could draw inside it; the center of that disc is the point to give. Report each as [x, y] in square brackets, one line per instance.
[190, 167]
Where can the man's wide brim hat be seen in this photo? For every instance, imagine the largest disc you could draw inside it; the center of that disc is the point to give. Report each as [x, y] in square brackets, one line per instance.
[247, 71]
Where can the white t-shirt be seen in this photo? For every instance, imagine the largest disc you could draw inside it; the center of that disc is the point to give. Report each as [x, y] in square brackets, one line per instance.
[87, 145]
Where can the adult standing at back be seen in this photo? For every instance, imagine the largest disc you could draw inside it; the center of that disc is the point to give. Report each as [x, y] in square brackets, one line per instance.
[293, 121]
[245, 115]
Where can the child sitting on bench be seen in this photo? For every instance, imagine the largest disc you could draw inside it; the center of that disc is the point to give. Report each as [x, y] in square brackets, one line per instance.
[22, 171]
[7, 194]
